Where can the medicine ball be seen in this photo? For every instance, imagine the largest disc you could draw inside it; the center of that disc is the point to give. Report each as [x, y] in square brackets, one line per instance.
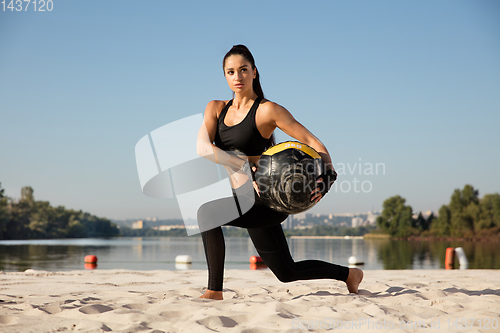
[286, 175]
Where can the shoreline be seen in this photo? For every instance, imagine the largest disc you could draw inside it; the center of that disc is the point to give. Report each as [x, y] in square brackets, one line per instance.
[366, 236]
[452, 239]
[409, 239]
[327, 237]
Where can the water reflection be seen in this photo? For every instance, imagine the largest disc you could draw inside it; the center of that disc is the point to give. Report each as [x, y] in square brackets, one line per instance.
[46, 257]
[422, 254]
[396, 254]
[479, 254]
[159, 253]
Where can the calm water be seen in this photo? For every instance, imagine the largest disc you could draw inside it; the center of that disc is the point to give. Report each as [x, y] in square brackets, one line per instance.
[160, 253]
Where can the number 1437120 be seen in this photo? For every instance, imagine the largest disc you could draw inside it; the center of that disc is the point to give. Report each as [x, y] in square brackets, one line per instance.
[25, 5]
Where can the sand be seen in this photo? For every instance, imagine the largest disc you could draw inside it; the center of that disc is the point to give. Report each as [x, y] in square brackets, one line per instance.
[255, 301]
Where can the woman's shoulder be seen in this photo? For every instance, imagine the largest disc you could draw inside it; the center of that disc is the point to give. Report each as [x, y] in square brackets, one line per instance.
[217, 103]
[215, 107]
[270, 107]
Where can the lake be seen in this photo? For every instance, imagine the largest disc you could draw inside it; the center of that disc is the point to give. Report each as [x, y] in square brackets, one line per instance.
[152, 253]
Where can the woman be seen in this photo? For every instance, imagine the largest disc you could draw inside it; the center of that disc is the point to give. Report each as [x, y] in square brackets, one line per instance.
[241, 130]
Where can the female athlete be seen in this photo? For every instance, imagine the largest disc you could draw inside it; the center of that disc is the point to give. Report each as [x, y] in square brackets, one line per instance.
[234, 134]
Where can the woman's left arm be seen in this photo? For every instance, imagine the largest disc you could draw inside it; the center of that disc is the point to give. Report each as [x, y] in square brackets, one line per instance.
[284, 120]
[281, 118]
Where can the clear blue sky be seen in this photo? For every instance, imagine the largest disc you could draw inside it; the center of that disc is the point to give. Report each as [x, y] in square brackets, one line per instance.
[411, 84]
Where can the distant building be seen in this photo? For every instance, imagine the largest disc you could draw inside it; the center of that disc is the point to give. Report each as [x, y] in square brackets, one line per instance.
[168, 227]
[138, 225]
[356, 221]
[302, 227]
[288, 223]
[347, 214]
[372, 217]
[300, 216]
[428, 213]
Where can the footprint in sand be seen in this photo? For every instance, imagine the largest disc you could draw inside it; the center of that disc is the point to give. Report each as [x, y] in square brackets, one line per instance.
[50, 309]
[90, 299]
[172, 314]
[212, 322]
[170, 294]
[106, 328]
[95, 309]
[391, 290]
[137, 306]
[430, 295]
[415, 285]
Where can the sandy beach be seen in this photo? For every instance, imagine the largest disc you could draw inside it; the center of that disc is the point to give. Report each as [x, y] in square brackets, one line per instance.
[255, 302]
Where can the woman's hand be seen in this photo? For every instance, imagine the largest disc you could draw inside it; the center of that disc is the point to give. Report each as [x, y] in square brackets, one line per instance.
[248, 170]
[325, 181]
[316, 195]
[255, 185]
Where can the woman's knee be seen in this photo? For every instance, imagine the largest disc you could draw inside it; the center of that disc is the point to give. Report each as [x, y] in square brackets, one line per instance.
[279, 267]
[202, 212]
[284, 276]
[207, 220]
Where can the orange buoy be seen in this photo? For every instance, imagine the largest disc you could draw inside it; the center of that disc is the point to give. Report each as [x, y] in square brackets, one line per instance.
[256, 260]
[450, 258]
[89, 265]
[90, 259]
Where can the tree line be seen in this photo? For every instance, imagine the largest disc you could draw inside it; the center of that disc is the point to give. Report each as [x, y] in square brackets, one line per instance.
[466, 216]
[29, 219]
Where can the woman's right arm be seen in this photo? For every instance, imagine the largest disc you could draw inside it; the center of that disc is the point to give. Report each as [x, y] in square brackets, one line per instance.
[206, 137]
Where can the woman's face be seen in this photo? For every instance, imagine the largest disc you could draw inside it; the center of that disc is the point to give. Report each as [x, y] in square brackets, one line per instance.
[239, 73]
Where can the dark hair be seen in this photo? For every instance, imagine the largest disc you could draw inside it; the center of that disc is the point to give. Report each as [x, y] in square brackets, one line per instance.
[243, 51]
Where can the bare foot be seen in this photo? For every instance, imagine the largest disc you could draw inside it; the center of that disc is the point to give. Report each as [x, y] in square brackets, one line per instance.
[211, 294]
[354, 279]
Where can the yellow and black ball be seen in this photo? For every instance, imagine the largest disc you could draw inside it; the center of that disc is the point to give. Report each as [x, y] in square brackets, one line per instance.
[286, 175]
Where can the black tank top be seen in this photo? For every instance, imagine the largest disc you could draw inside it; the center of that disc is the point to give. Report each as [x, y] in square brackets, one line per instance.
[244, 136]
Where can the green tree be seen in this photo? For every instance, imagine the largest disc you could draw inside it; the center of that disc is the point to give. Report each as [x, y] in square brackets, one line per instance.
[466, 214]
[27, 219]
[75, 228]
[396, 217]
[441, 225]
[4, 213]
[27, 195]
[21, 211]
[464, 208]
[430, 219]
[40, 220]
[59, 222]
[489, 215]
[95, 226]
[420, 223]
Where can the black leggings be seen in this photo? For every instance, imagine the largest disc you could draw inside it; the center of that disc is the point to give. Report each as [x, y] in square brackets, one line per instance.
[264, 227]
